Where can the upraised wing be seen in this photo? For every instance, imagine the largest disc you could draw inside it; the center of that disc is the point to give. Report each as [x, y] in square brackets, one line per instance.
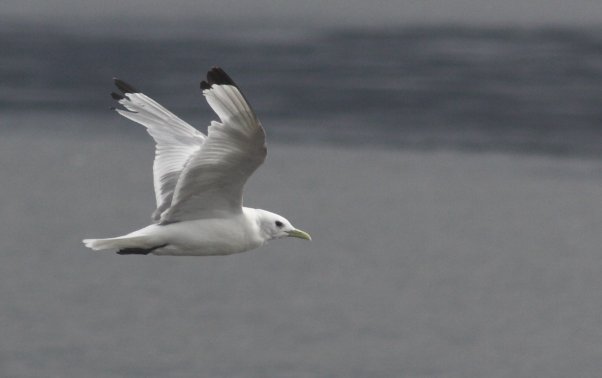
[176, 141]
[212, 181]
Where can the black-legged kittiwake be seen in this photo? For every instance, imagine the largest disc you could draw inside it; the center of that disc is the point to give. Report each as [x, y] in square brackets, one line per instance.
[199, 178]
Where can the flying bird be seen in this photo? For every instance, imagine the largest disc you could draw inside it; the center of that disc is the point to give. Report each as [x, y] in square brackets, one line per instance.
[199, 179]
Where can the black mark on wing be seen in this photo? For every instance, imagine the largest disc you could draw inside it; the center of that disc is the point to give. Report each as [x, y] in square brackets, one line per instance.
[218, 76]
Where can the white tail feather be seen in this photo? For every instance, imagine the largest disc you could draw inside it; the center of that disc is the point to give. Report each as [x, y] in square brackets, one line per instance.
[120, 242]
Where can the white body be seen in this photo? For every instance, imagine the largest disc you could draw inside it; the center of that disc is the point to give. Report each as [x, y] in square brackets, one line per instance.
[201, 237]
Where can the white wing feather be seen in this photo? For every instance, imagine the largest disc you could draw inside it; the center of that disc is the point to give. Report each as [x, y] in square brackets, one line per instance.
[176, 141]
[212, 181]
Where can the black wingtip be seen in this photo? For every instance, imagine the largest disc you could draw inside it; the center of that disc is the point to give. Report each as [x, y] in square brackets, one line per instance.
[218, 76]
[138, 251]
[117, 96]
[124, 87]
[205, 85]
[134, 251]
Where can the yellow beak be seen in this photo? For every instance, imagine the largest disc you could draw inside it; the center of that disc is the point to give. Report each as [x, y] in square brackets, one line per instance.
[299, 234]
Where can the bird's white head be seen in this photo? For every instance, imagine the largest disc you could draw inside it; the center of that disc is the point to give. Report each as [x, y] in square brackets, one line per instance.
[274, 226]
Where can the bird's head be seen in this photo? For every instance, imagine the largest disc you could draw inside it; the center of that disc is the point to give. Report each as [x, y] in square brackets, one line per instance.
[275, 226]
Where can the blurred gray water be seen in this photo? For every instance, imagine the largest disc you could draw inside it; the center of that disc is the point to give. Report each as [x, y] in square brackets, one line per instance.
[534, 90]
[452, 188]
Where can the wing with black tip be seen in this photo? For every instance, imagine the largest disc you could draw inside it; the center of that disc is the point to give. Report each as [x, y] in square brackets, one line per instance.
[176, 141]
[211, 183]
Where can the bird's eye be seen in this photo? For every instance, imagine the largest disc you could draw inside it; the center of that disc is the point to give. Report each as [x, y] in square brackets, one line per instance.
[279, 224]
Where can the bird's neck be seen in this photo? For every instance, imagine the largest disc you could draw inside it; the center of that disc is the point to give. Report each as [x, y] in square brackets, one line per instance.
[255, 218]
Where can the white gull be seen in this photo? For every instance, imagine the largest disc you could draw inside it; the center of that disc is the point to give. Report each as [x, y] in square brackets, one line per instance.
[199, 178]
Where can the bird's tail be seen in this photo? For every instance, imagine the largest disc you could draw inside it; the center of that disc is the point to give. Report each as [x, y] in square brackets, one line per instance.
[128, 244]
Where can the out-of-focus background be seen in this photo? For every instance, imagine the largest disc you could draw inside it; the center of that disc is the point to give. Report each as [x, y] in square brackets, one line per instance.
[445, 156]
